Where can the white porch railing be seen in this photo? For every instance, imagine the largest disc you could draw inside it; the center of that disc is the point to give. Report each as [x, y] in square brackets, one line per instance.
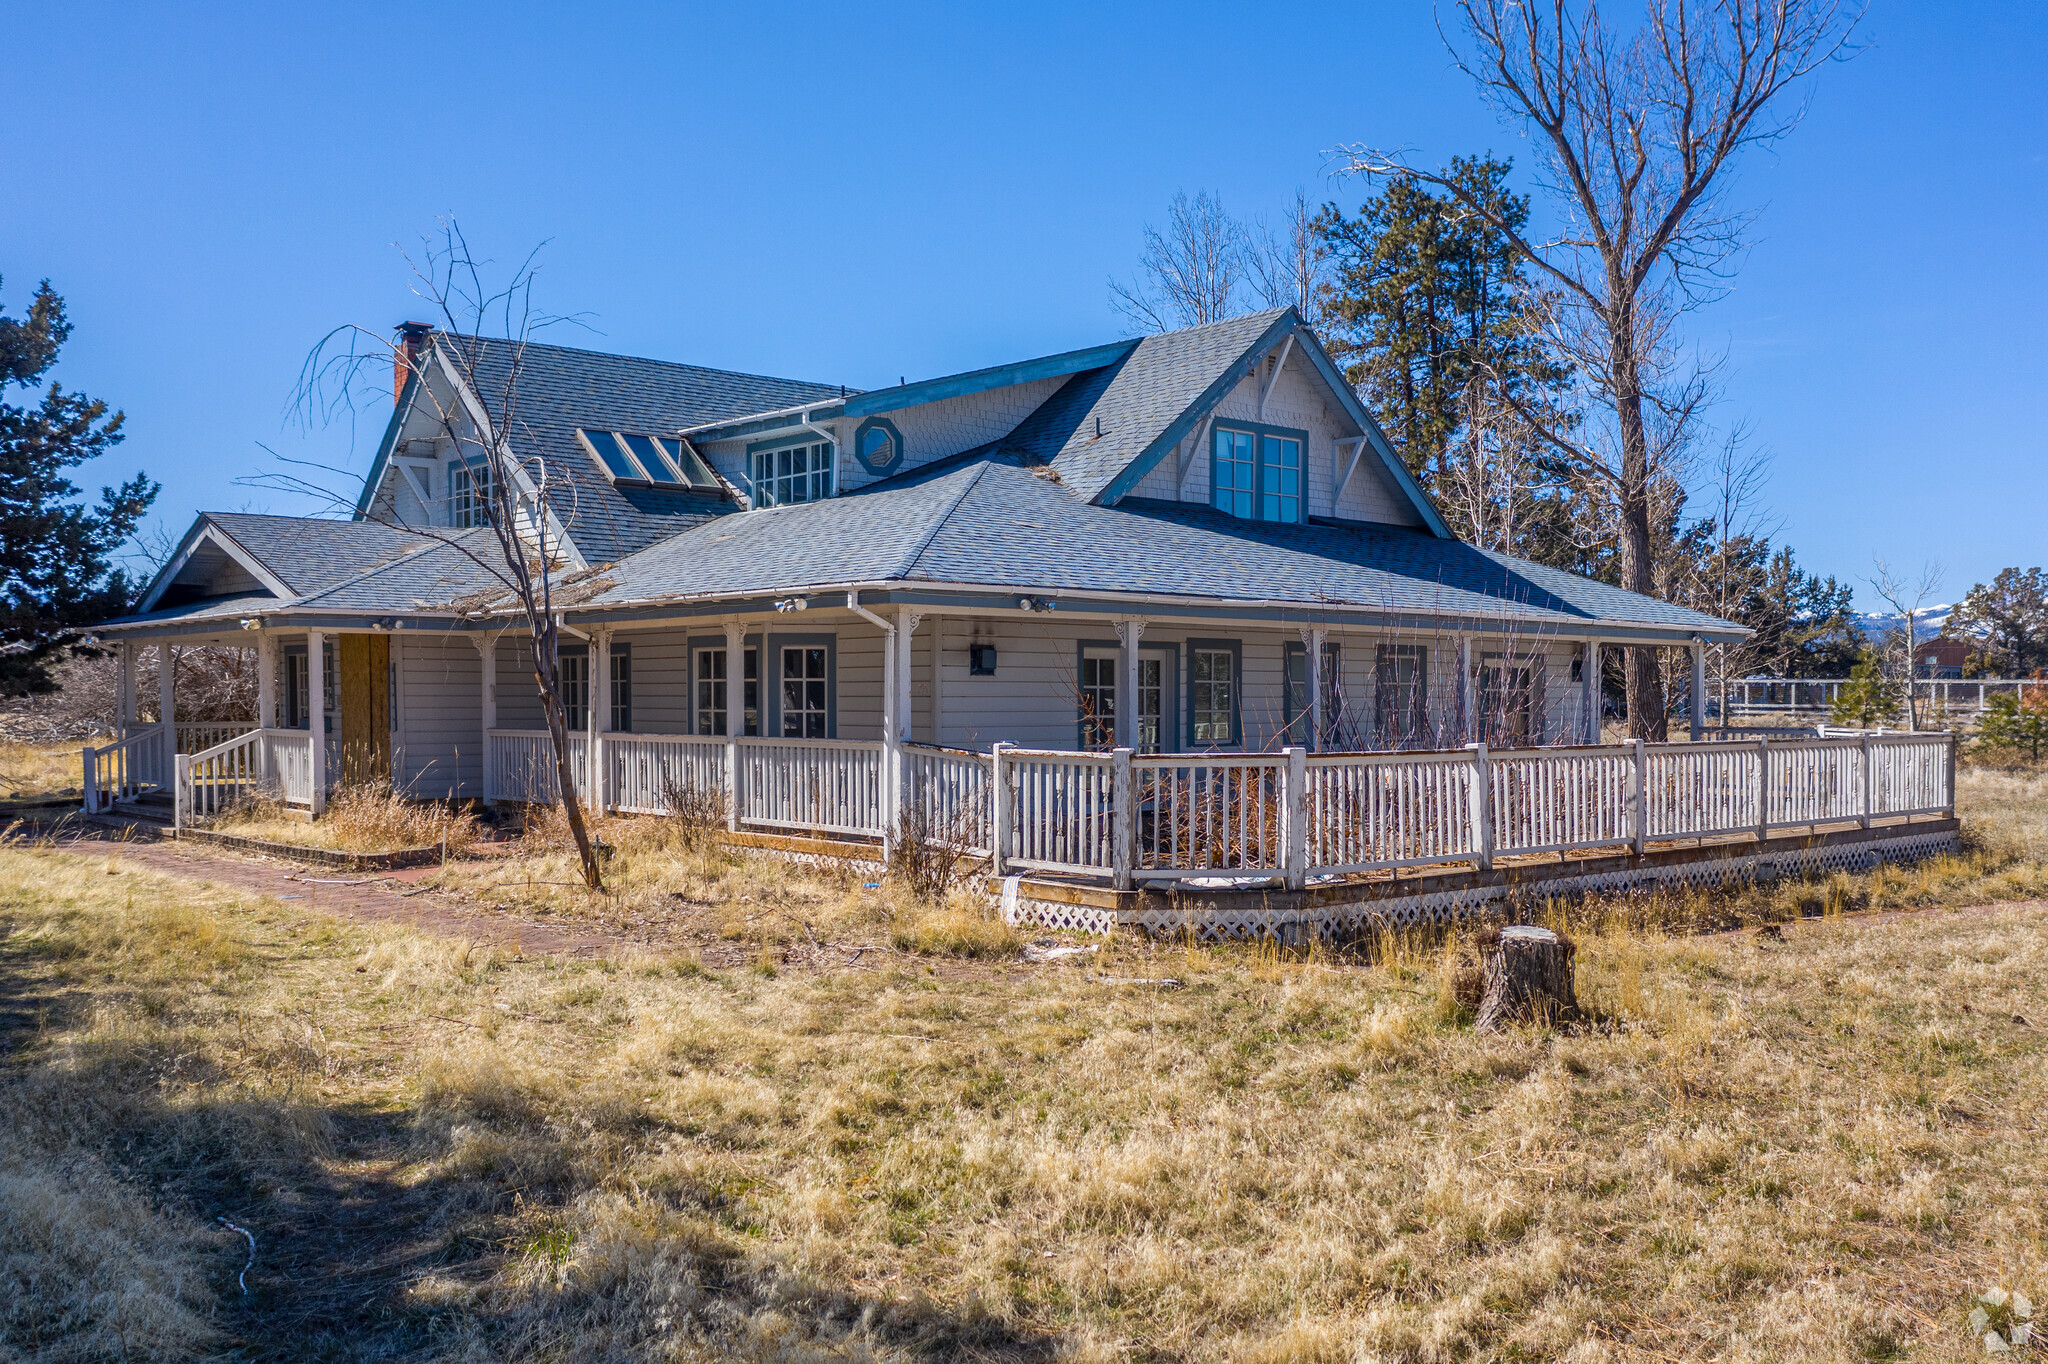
[272, 762]
[519, 765]
[1291, 815]
[196, 736]
[125, 769]
[643, 770]
[832, 786]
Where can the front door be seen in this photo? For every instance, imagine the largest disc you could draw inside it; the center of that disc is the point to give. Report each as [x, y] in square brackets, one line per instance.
[1102, 679]
[364, 665]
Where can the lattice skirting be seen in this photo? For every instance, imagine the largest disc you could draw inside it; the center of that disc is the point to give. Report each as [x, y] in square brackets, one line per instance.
[1377, 908]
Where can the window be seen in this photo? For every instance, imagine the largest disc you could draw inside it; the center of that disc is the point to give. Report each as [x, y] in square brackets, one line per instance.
[1256, 472]
[714, 697]
[622, 687]
[297, 692]
[1297, 694]
[1212, 694]
[1279, 479]
[1098, 698]
[1401, 695]
[1151, 701]
[878, 445]
[662, 460]
[1508, 688]
[1236, 472]
[575, 687]
[804, 692]
[789, 473]
[469, 494]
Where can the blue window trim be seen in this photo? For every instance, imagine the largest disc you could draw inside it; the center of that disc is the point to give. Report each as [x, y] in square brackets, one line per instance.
[1236, 648]
[783, 443]
[1258, 431]
[1169, 681]
[895, 436]
[771, 681]
[780, 442]
[699, 644]
[620, 649]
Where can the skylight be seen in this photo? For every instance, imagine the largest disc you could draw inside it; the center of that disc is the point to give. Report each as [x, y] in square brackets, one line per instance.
[659, 460]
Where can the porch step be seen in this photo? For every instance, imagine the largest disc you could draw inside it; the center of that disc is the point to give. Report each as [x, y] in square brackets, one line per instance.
[154, 806]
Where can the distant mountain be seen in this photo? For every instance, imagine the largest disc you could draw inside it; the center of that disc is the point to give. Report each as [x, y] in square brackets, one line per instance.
[1927, 623]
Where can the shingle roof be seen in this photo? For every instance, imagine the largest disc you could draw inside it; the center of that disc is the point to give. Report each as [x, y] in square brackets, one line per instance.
[437, 572]
[1136, 400]
[990, 522]
[560, 389]
[309, 553]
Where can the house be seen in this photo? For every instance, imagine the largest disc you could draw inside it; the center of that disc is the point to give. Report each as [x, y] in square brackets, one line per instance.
[1940, 657]
[1190, 542]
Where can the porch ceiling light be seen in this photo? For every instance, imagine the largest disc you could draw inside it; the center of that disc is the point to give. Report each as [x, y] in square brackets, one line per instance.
[252, 622]
[1035, 604]
[793, 604]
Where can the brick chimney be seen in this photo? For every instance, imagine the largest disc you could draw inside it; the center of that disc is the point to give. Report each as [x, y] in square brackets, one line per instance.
[412, 339]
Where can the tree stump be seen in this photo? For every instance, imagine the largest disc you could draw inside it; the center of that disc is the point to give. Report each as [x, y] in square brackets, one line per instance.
[1528, 977]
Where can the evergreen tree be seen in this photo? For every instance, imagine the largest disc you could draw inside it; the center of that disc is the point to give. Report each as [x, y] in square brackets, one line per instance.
[1425, 298]
[2008, 617]
[1869, 699]
[55, 551]
[2009, 722]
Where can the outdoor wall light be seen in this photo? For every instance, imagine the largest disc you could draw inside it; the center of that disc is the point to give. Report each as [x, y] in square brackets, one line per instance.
[252, 622]
[793, 604]
[1035, 604]
[981, 660]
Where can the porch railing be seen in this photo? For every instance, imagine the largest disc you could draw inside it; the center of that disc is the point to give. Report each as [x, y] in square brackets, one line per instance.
[259, 762]
[196, 736]
[129, 767]
[1288, 816]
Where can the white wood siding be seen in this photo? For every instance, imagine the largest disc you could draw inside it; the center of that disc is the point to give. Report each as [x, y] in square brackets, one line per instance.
[440, 739]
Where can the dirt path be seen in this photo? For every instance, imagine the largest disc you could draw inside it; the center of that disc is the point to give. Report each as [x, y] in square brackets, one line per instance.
[369, 897]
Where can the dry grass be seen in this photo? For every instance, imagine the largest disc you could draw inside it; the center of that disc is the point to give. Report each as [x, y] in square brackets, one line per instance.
[1817, 1146]
[362, 819]
[39, 769]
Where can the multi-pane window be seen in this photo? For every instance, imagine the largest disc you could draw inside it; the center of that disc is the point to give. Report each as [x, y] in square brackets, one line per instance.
[1212, 687]
[622, 687]
[662, 460]
[793, 473]
[1098, 699]
[1279, 479]
[1237, 472]
[575, 688]
[1151, 702]
[1401, 695]
[1297, 694]
[1257, 474]
[469, 494]
[804, 710]
[714, 696]
[297, 692]
[1507, 702]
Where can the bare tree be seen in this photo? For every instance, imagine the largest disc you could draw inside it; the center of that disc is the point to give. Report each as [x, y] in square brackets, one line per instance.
[1637, 132]
[1290, 266]
[1906, 594]
[1190, 272]
[514, 525]
[1486, 480]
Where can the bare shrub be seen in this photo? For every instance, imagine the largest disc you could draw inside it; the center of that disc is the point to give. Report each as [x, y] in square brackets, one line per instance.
[372, 817]
[937, 848]
[696, 816]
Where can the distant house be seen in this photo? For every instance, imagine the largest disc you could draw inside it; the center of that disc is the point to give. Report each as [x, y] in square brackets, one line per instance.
[1192, 542]
[1940, 657]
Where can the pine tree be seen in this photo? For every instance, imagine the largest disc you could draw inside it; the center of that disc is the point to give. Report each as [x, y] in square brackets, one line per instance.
[1869, 699]
[55, 551]
[2010, 722]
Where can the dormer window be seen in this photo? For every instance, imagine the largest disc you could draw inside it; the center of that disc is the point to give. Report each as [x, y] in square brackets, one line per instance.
[659, 461]
[878, 445]
[469, 494]
[1255, 471]
[782, 472]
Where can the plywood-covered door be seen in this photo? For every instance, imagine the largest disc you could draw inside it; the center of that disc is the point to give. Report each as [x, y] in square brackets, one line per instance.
[364, 664]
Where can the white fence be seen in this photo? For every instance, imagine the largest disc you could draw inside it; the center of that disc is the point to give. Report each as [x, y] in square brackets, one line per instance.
[1290, 815]
[1816, 695]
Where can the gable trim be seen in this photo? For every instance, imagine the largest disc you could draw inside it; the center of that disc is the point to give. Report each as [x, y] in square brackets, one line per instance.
[381, 464]
[1396, 468]
[203, 532]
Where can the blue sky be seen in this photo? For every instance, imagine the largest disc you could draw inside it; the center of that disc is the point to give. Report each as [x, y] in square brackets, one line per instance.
[854, 194]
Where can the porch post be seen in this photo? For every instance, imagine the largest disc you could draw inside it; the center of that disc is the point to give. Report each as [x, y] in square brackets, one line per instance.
[1589, 692]
[1697, 703]
[1123, 827]
[166, 699]
[316, 720]
[736, 712]
[906, 623]
[128, 689]
[596, 717]
[1312, 642]
[266, 680]
[487, 707]
[891, 726]
[1128, 633]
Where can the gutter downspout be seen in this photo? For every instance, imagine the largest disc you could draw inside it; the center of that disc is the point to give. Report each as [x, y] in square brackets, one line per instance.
[892, 750]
